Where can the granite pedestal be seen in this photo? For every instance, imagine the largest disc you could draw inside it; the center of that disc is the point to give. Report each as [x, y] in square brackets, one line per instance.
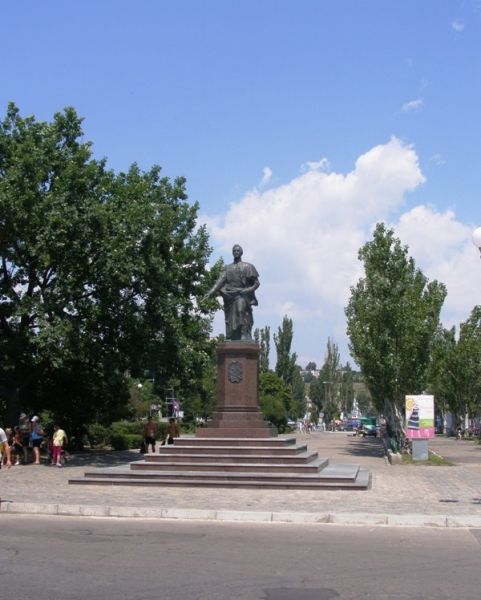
[237, 411]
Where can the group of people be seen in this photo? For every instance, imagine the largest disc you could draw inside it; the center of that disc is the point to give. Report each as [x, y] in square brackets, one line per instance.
[305, 426]
[151, 431]
[16, 442]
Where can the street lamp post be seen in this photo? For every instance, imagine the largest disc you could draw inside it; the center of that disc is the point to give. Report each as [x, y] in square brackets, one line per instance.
[477, 238]
[139, 392]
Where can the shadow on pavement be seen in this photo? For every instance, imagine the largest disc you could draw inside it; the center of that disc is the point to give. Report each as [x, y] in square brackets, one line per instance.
[103, 458]
[369, 446]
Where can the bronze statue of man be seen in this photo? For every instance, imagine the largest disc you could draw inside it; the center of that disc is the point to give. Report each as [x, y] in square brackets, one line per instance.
[237, 284]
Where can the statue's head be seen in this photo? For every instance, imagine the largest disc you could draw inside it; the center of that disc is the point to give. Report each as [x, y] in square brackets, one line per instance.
[237, 251]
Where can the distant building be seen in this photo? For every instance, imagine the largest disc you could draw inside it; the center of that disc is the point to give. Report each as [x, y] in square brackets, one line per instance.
[307, 374]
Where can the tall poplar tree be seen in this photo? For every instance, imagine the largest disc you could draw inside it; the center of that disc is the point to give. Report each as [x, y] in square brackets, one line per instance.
[286, 361]
[263, 339]
[392, 317]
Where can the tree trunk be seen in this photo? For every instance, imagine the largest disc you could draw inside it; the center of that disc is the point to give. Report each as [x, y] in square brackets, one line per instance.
[394, 420]
[12, 411]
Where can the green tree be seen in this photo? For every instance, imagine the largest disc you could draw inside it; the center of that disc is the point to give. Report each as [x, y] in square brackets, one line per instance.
[346, 389]
[100, 275]
[199, 402]
[263, 339]
[330, 378]
[364, 401]
[141, 397]
[274, 399]
[468, 365]
[455, 369]
[443, 373]
[392, 316]
[288, 370]
[317, 395]
[298, 406]
[286, 362]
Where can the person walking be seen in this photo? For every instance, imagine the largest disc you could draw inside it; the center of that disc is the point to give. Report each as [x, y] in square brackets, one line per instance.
[37, 438]
[172, 432]
[25, 429]
[150, 434]
[58, 442]
[9, 434]
[5, 449]
[17, 446]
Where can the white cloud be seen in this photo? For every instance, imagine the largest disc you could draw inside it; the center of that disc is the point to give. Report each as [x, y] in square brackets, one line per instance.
[412, 105]
[437, 159]
[304, 237]
[316, 165]
[458, 25]
[442, 248]
[266, 176]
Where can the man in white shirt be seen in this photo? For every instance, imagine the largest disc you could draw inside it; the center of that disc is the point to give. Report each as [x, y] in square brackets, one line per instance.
[4, 449]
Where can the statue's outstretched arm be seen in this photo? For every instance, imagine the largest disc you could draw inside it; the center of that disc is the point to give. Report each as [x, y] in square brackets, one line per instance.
[216, 287]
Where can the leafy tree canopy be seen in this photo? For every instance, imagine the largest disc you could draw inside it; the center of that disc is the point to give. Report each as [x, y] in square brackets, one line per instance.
[455, 370]
[100, 273]
[392, 317]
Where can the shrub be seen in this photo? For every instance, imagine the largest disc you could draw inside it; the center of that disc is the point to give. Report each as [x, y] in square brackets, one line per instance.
[134, 440]
[119, 441]
[98, 435]
[127, 428]
[121, 435]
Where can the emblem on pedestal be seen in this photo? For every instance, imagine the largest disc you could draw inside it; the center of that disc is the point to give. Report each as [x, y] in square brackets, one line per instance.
[234, 372]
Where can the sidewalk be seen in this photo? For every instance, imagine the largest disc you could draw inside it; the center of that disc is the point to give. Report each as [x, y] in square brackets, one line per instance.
[400, 495]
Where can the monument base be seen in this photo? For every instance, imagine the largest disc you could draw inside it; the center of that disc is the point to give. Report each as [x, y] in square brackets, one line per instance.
[237, 412]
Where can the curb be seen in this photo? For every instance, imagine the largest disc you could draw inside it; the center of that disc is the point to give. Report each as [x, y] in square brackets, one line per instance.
[233, 516]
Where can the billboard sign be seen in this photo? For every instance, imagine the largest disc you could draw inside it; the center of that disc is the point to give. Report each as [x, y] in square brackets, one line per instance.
[420, 417]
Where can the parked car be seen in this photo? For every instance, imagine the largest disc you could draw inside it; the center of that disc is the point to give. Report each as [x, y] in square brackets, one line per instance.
[367, 430]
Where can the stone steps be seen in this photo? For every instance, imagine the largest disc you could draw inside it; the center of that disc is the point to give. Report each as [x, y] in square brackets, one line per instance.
[313, 466]
[232, 462]
[215, 458]
[276, 442]
[228, 450]
[329, 473]
[335, 480]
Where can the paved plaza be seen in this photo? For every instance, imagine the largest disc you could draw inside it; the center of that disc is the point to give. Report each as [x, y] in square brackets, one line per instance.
[443, 496]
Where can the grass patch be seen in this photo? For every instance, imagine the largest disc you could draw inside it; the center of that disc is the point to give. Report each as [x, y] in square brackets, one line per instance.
[434, 460]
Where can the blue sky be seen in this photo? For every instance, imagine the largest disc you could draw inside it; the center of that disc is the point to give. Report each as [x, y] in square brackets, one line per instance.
[298, 126]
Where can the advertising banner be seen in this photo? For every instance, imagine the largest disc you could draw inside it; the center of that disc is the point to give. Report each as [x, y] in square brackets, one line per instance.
[420, 417]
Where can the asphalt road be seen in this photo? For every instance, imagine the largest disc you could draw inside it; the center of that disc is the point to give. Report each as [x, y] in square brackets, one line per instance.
[78, 559]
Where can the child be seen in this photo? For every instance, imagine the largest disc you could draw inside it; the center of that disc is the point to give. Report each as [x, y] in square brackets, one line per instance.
[9, 434]
[4, 449]
[59, 439]
[17, 446]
